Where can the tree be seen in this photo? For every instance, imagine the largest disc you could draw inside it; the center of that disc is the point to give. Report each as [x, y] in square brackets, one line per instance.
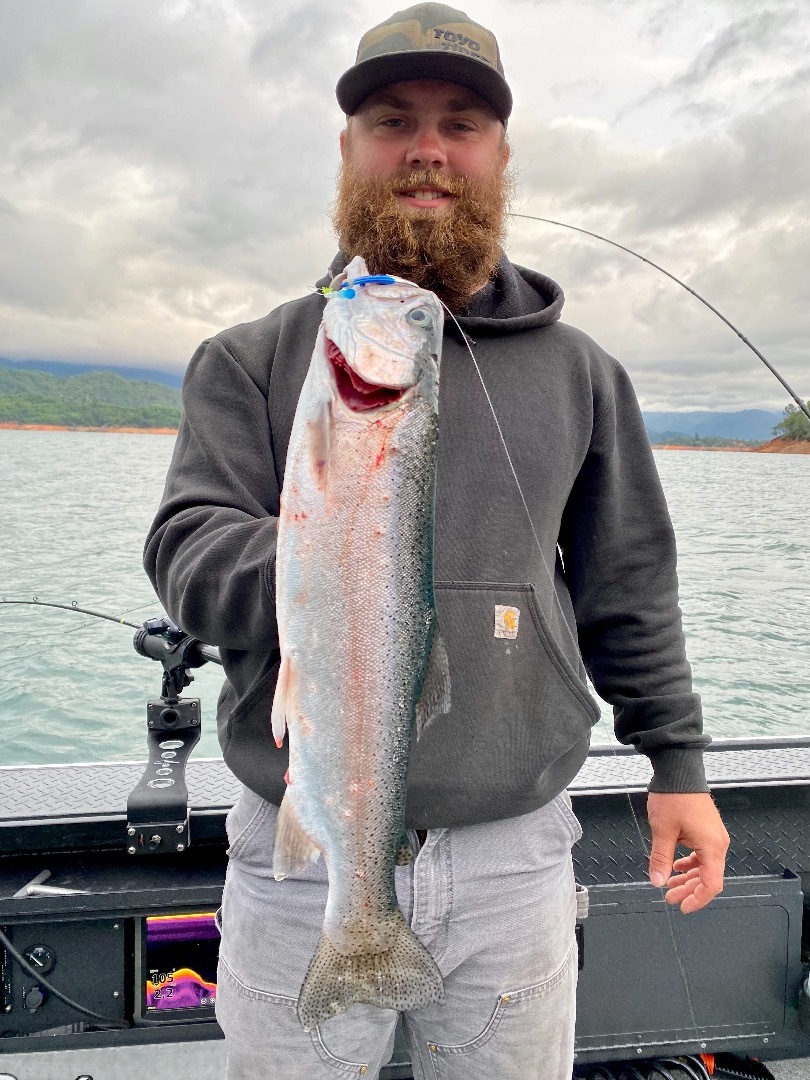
[794, 424]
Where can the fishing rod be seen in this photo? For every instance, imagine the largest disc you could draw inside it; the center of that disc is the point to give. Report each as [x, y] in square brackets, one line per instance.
[72, 606]
[152, 639]
[549, 221]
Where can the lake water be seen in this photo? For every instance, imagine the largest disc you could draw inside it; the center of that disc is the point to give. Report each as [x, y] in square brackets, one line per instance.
[76, 507]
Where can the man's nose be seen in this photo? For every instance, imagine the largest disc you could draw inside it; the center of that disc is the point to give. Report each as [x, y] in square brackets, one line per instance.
[427, 150]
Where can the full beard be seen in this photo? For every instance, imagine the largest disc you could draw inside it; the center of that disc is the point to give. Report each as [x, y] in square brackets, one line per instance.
[452, 252]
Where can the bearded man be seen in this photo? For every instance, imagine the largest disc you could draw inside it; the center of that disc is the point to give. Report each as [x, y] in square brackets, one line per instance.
[422, 195]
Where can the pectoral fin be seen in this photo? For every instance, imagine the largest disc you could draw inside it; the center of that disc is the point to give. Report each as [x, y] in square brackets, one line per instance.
[319, 431]
[284, 699]
[434, 700]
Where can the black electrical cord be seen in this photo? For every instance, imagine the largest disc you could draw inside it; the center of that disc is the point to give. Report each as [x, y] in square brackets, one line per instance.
[663, 1068]
[658, 1070]
[109, 1022]
[698, 1072]
[548, 221]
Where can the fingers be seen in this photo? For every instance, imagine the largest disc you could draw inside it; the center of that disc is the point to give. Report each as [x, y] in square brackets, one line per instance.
[699, 898]
[661, 856]
[697, 881]
[692, 880]
[686, 862]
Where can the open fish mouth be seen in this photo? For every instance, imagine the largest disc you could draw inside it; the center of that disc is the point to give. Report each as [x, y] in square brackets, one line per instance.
[355, 392]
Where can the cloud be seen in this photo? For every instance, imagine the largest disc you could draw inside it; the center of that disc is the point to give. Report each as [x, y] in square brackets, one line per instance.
[729, 215]
[167, 171]
[759, 53]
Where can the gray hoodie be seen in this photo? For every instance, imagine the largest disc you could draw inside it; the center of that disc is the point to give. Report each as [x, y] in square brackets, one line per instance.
[579, 559]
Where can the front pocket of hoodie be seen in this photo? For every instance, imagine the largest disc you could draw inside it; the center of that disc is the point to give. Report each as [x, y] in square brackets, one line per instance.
[517, 703]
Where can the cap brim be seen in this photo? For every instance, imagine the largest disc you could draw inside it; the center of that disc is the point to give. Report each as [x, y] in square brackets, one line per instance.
[355, 85]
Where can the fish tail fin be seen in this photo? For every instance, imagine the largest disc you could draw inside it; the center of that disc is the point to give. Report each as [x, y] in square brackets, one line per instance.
[403, 977]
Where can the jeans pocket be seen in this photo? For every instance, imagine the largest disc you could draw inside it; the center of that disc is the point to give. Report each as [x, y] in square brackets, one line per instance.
[265, 1037]
[531, 842]
[530, 1028]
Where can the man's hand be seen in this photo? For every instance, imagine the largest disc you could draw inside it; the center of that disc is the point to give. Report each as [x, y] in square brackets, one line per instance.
[693, 821]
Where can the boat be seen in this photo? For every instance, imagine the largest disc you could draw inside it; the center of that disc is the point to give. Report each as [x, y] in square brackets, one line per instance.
[111, 874]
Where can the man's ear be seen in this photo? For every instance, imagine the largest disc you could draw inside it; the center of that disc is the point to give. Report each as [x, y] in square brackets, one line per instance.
[343, 137]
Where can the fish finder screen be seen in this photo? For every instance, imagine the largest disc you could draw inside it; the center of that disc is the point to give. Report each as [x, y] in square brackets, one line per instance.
[181, 961]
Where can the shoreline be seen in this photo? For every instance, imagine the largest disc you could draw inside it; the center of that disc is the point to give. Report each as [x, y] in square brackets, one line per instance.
[783, 445]
[11, 425]
[775, 446]
[712, 449]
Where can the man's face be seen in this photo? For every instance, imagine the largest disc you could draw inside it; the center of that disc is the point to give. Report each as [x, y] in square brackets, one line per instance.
[422, 190]
[425, 125]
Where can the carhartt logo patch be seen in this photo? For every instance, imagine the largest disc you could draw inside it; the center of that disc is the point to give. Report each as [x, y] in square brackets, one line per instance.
[506, 621]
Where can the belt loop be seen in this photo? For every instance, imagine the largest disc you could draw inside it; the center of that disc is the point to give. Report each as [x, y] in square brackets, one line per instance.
[582, 901]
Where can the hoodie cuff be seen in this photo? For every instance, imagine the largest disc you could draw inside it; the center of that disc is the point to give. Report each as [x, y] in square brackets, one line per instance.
[678, 771]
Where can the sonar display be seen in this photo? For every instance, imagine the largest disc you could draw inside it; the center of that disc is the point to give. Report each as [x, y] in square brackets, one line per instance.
[181, 961]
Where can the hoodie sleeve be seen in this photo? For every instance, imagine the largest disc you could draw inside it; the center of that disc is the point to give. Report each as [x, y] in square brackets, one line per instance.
[210, 553]
[618, 547]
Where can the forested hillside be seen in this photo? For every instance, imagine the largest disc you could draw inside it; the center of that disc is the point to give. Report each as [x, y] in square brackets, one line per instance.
[95, 399]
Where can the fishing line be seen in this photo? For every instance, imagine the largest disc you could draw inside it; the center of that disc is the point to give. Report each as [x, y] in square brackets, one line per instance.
[804, 408]
[616, 756]
[73, 606]
[126, 611]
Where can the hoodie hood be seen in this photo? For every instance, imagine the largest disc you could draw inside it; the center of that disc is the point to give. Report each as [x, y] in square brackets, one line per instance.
[516, 299]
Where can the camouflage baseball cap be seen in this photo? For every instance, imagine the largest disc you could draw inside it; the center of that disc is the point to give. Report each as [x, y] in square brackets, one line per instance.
[427, 41]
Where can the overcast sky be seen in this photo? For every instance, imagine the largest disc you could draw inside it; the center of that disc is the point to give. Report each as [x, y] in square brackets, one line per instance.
[166, 170]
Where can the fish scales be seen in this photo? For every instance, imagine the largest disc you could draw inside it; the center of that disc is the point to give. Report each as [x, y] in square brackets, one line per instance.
[362, 661]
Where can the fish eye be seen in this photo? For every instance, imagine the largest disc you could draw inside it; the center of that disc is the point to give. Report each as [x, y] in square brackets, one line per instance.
[419, 316]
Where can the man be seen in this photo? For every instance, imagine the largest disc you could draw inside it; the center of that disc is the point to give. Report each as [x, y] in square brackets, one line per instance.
[422, 194]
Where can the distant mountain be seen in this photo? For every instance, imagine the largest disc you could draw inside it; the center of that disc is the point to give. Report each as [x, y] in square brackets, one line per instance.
[746, 424]
[63, 370]
[93, 399]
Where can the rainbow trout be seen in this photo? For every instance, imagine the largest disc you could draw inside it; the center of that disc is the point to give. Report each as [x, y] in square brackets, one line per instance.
[362, 663]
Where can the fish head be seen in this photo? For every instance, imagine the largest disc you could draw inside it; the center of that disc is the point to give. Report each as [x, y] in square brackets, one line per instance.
[382, 340]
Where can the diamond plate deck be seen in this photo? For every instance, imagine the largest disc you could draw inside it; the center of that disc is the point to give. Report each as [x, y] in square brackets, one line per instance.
[47, 792]
[729, 763]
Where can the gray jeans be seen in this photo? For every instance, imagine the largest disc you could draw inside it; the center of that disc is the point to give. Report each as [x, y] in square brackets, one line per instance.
[495, 906]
